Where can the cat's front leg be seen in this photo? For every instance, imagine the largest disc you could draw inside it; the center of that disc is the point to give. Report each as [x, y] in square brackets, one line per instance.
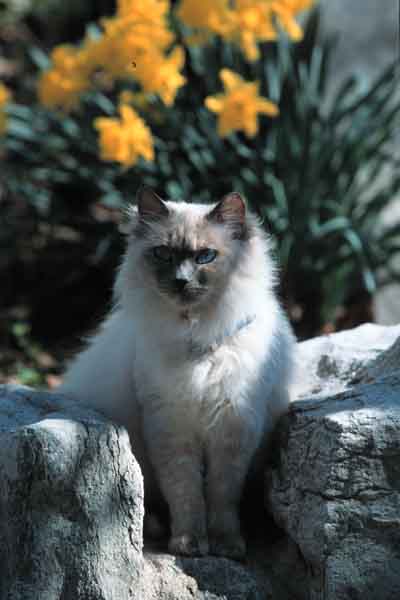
[177, 461]
[229, 449]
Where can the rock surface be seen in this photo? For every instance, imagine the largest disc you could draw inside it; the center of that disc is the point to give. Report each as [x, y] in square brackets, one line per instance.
[168, 577]
[71, 496]
[71, 502]
[328, 364]
[336, 486]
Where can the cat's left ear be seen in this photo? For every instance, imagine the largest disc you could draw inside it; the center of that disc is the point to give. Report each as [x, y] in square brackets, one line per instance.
[230, 210]
[149, 204]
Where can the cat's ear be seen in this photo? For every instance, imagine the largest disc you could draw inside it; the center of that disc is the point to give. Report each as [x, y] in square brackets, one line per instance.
[230, 210]
[150, 205]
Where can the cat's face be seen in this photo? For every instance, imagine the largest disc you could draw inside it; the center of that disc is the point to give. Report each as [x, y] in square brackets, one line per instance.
[188, 252]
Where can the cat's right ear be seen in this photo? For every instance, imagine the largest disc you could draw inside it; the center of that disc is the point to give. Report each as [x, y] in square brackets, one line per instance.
[149, 204]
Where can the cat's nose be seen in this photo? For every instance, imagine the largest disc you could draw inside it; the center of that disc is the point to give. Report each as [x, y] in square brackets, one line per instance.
[181, 283]
[183, 275]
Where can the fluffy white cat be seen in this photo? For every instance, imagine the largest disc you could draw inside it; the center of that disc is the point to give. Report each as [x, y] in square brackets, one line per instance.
[194, 360]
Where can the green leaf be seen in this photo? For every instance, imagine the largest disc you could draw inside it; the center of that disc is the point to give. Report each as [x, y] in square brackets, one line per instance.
[20, 329]
[28, 376]
[19, 111]
[104, 103]
[334, 225]
[354, 240]
[20, 130]
[39, 58]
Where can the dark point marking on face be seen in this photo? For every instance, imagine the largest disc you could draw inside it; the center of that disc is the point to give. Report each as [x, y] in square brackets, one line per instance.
[178, 272]
[203, 278]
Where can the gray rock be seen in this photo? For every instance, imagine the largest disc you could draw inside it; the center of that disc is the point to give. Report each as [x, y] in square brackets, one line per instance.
[71, 502]
[168, 577]
[327, 364]
[71, 495]
[336, 486]
[385, 363]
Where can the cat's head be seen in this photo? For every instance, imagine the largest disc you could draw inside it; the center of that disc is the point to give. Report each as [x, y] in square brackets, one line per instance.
[186, 252]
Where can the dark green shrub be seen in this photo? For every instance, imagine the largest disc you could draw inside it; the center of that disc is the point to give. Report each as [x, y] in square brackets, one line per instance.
[314, 175]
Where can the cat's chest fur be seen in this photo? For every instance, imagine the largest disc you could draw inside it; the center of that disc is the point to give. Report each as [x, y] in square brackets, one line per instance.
[195, 378]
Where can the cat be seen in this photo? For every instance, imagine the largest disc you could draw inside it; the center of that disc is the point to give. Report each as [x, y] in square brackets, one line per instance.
[194, 359]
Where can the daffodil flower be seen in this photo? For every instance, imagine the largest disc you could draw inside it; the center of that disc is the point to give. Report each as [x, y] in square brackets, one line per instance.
[124, 139]
[238, 108]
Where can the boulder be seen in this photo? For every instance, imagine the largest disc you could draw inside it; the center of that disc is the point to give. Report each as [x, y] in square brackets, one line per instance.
[329, 364]
[71, 494]
[71, 502]
[169, 577]
[71, 514]
[335, 485]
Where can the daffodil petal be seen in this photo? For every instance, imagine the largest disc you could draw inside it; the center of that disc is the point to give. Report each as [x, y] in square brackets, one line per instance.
[230, 79]
[213, 103]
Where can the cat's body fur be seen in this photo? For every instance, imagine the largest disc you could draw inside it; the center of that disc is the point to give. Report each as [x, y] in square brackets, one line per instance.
[199, 385]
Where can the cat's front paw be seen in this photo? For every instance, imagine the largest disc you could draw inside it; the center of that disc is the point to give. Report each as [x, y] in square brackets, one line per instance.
[188, 545]
[228, 546]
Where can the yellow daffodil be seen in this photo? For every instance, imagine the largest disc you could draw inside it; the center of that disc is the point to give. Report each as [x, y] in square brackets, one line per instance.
[138, 34]
[253, 25]
[156, 10]
[128, 42]
[62, 84]
[214, 16]
[239, 106]
[126, 139]
[161, 75]
[285, 12]
[58, 91]
[5, 96]
[245, 22]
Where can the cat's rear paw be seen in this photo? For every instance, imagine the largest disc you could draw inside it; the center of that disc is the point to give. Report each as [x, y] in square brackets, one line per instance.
[188, 545]
[232, 546]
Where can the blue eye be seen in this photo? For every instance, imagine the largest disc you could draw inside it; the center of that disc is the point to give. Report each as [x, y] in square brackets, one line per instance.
[162, 253]
[206, 256]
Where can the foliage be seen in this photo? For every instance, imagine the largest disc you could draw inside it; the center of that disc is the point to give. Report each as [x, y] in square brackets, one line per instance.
[52, 20]
[314, 175]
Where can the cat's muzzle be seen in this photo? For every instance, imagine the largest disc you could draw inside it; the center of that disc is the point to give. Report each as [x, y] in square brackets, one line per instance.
[188, 294]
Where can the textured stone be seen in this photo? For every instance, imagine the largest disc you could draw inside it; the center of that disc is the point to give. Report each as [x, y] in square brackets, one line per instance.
[386, 362]
[71, 502]
[327, 364]
[71, 496]
[336, 486]
[172, 578]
